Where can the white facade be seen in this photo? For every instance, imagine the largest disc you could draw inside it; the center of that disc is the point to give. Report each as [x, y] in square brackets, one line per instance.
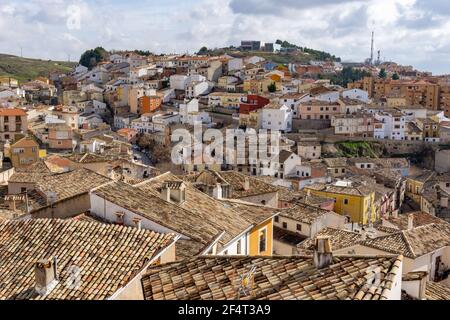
[235, 64]
[331, 96]
[196, 89]
[189, 114]
[179, 82]
[356, 94]
[277, 119]
[394, 126]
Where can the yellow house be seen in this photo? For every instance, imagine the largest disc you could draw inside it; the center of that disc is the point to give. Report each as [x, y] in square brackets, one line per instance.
[396, 102]
[414, 186]
[226, 99]
[260, 86]
[24, 152]
[9, 82]
[251, 120]
[355, 201]
[261, 239]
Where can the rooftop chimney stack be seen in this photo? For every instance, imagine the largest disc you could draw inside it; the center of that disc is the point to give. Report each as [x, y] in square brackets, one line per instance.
[323, 253]
[410, 222]
[138, 223]
[217, 192]
[173, 191]
[46, 275]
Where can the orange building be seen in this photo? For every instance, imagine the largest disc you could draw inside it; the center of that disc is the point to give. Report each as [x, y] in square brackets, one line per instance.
[149, 104]
[13, 123]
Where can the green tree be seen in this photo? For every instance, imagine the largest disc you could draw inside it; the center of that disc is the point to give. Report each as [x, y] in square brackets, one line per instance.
[144, 53]
[203, 51]
[272, 87]
[395, 76]
[382, 74]
[91, 58]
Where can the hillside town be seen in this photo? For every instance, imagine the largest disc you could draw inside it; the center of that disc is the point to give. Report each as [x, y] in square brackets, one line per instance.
[350, 200]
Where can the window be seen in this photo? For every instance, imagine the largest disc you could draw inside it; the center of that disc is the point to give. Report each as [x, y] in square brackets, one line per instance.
[346, 201]
[262, 240]
[299, 227]
[23, 190]
[285, 225]
[239, 247]
[277, 219]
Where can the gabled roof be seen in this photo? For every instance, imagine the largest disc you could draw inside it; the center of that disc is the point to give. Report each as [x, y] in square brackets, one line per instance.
[419, 219]
[107, 255]
[413, 243]
[237, 180]
[283, 278]
[339, 238]
[199, 217]
[304, 213]
[12, 112]
[26, 142]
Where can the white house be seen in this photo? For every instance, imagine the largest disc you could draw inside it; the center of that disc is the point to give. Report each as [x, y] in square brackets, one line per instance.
[235, 64]
[394, 125]
[80, 70]
[179, 82]
[293, 100]
[254, 60]
[195, 89]
[117, 58]
[276, 117]
[92, 119]
[356, 94]
[189, 114]
[93, 106]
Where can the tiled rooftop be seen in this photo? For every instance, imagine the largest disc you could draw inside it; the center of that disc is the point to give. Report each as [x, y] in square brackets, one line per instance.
[413, 243]
[304, 213]
[108, 256]
[340, 239]
[199, 217]
[437, 291]
[293, 278]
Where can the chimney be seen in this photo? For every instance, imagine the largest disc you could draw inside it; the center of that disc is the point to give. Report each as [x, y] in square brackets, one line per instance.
[46, 276]
[363, 235]
[120, 218]
[323, 254]
[410, 222]
[173, 191]
[165, 193]
[246, 184]
[138, 223]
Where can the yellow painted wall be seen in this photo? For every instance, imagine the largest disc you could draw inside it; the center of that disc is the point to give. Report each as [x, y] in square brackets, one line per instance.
[356, 208]
[254, 239]
[414, 189]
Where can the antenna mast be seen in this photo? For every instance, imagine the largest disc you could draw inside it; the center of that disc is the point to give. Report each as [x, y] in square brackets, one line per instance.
[371, 48]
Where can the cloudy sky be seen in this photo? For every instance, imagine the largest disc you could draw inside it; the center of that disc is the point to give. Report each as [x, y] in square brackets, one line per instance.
[415, 32]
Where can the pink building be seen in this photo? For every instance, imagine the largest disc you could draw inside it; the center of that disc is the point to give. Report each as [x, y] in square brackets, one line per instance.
[319, 110]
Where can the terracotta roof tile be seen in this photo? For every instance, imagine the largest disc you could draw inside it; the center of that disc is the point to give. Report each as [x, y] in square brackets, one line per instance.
[293, 278]
[107, 255]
